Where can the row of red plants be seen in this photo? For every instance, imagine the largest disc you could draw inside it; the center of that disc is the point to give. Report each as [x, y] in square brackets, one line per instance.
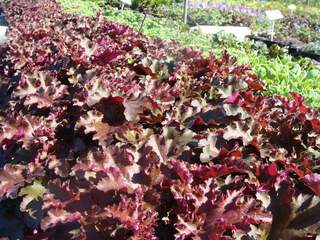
[106, 134]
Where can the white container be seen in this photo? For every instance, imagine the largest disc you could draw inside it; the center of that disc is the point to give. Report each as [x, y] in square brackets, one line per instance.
[239, 32]
[3, 37]
[128, 2]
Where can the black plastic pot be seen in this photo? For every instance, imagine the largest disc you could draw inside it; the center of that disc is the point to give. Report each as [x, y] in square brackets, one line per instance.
[268, 42]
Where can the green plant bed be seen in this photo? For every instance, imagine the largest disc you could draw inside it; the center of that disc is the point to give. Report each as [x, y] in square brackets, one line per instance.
[83, 7]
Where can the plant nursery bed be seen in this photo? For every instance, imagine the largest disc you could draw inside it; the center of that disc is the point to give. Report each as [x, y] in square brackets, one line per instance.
[292, 50]
[298, 52]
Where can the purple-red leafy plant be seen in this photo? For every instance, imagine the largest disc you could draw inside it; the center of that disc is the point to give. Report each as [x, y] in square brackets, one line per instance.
[106, 134]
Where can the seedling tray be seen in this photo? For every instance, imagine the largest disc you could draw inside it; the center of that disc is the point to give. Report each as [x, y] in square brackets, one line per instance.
[292, 50]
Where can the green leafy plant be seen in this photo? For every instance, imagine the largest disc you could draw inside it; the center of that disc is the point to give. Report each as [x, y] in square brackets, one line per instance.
[313, 47]
[152, 4]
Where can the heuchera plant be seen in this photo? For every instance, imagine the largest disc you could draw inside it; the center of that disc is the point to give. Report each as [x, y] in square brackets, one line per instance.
[106, 134]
